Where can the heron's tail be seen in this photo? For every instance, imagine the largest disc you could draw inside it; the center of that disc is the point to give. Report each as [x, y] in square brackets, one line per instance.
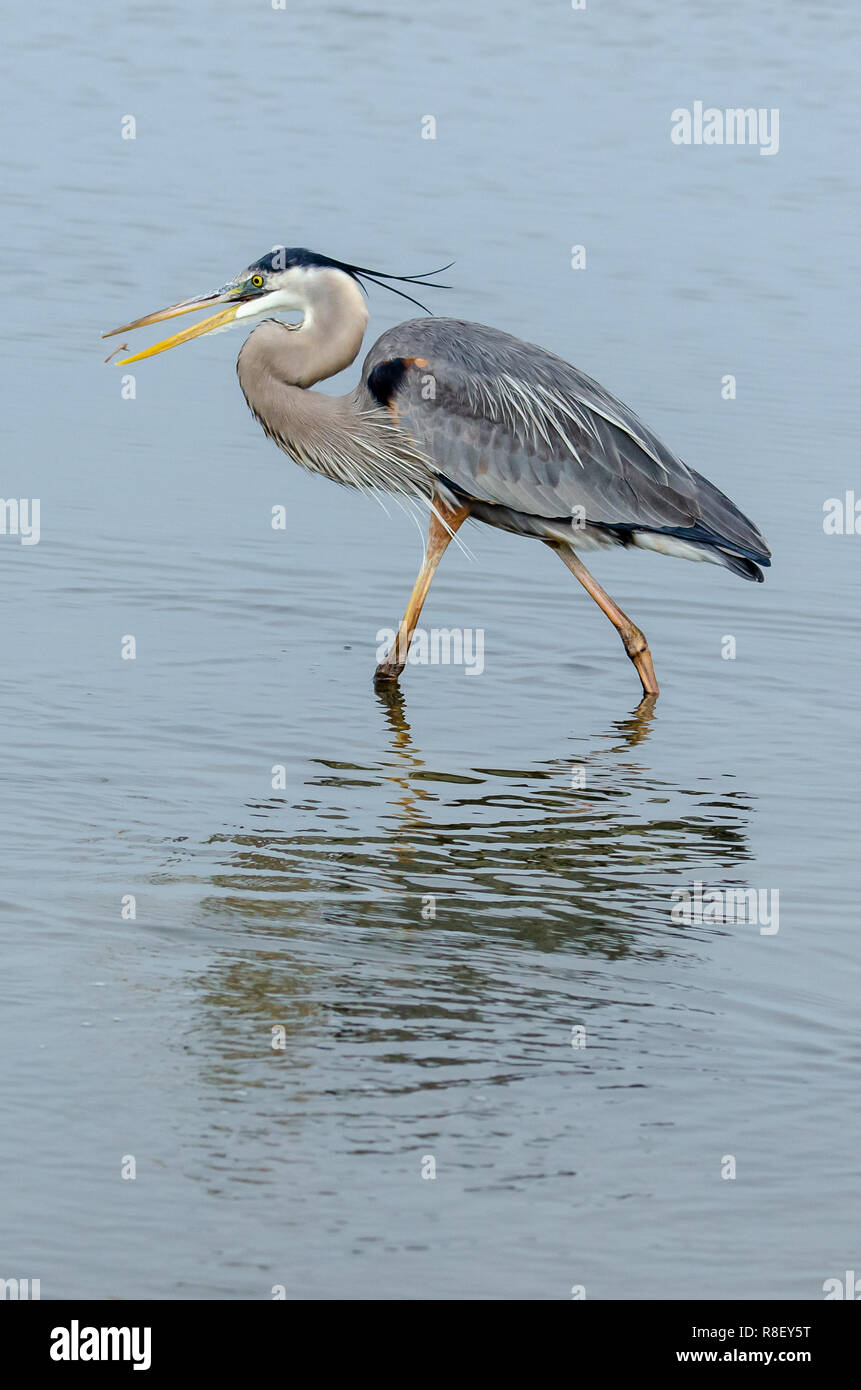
[739, 564]
[723, 535]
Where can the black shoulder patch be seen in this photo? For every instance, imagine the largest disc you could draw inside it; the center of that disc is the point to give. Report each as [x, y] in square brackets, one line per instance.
[385, 379]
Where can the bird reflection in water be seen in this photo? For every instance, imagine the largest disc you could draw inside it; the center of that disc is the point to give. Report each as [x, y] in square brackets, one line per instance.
[318, 909]
[505, 850]
[409, 769]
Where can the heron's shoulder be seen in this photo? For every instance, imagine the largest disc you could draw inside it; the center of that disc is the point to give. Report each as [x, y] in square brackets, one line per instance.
[493, 373]
[461, 354]
[459, 343]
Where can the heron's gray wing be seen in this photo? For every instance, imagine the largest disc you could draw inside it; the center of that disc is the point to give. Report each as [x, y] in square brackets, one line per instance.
[510, 424]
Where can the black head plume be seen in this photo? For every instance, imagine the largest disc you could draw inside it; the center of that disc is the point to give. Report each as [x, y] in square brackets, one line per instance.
[286, 257]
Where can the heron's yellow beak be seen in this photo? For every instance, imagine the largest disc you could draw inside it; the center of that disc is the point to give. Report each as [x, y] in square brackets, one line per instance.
[186, 306]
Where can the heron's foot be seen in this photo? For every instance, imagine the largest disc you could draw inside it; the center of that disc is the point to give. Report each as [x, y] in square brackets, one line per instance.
[646, 672]
[388, 671]
[638, 650]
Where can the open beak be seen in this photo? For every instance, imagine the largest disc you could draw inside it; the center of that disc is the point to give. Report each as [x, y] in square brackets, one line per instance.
[228, 295]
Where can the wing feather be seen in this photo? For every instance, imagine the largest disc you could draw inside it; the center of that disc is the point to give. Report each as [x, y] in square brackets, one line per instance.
[511, 424]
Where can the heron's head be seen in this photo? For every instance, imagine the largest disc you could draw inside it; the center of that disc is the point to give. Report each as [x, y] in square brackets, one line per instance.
[286, 279]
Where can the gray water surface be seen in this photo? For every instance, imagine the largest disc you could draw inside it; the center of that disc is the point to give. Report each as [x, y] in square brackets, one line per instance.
[411, 1037]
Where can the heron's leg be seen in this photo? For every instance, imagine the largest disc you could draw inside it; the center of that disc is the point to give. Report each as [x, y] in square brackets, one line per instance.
[635, 643]
[439, 536]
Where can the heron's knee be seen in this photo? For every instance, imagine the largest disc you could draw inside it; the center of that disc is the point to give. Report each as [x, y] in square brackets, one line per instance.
[634, 640]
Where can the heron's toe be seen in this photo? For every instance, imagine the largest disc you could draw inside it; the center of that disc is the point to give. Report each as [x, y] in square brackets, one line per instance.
[388, 671]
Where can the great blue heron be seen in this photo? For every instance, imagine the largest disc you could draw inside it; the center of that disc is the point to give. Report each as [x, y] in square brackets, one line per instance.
[469, 419]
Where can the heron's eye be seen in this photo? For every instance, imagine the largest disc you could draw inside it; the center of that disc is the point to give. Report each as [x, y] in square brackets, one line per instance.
[257, 281]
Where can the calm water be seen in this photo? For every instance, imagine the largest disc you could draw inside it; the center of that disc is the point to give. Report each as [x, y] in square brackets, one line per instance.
[410, 1037]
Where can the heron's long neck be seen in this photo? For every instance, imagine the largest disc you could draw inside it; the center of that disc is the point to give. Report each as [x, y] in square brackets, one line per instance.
[324, 343]
[333, 435]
